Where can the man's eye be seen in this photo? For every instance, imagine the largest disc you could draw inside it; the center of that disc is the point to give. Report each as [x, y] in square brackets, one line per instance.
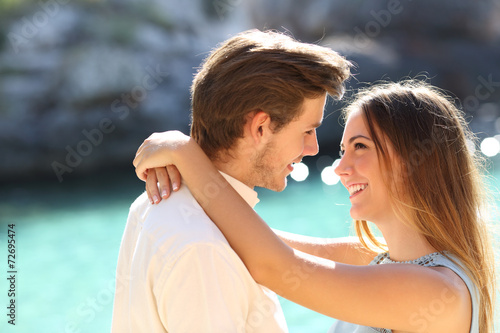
[309, 132]
[341, 152]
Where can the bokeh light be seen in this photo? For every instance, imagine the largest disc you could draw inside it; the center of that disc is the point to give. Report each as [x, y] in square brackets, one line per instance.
[300, 172]
[328, 175]
[490, 147]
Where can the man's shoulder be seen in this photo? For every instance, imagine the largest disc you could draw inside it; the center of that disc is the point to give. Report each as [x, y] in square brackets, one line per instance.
[179, 200]
[176, 220]
[140, 203]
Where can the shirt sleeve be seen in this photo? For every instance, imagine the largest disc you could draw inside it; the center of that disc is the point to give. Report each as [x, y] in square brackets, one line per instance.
[204, 292]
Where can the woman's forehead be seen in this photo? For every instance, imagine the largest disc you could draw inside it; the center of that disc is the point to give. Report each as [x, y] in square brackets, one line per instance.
[355, 124]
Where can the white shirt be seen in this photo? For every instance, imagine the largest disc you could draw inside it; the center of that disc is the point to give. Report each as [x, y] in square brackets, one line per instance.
[177, 273]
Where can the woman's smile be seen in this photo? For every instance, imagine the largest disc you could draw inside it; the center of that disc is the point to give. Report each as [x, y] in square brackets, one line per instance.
[356, 189]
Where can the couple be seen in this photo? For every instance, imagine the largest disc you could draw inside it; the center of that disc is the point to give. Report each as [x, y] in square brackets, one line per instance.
[256, 103]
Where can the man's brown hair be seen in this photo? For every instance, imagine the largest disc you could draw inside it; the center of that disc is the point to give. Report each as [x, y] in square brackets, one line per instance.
[259, 71]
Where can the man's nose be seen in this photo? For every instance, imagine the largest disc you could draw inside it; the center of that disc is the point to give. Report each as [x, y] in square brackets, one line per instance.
[311, 146]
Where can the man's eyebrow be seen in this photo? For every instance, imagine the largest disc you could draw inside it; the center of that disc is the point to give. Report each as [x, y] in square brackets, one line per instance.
[356, 137]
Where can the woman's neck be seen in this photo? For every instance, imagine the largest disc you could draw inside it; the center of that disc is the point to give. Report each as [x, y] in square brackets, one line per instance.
[404, 243]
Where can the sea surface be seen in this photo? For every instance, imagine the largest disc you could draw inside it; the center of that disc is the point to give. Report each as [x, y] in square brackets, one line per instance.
[67, 236]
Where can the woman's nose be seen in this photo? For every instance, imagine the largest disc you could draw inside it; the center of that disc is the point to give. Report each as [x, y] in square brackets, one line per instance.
[344, 167]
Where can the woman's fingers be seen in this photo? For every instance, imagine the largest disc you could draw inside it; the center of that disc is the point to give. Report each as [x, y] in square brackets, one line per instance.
[140, 171]
[152, 187]
[157, 151]
[164, 182]
[175, 177]
[160, 181]
[138, 155]
[141, 156]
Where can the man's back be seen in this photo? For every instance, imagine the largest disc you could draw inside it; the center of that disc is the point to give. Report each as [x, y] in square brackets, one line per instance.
[177, 273]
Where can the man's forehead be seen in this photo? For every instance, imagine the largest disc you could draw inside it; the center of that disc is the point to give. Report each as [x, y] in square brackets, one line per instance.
[314, 110]
[310, 121]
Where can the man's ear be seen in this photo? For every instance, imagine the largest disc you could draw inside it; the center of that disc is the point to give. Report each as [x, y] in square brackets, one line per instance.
[259, 127]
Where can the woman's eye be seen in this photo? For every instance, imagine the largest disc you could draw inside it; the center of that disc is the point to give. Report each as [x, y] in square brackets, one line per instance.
[359, 146]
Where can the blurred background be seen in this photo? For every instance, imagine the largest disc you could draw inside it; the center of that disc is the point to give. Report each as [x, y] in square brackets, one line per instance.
[84, 82]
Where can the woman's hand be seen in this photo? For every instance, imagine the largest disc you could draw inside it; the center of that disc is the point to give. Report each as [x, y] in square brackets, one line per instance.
[164, 180]
[155, 159]
[158, 150]
[154, 163]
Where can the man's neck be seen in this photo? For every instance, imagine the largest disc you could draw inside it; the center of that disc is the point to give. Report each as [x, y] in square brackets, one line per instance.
[234, 169]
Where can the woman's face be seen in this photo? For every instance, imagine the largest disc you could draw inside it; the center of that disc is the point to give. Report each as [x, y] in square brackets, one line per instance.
[360, 172]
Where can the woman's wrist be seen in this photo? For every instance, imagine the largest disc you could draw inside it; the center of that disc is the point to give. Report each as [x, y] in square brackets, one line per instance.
[182, 150]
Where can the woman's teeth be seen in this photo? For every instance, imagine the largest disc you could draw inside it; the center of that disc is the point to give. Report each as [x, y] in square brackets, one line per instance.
[353, 189]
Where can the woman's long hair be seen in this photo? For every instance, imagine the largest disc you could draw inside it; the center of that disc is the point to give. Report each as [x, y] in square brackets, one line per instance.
[439, 190]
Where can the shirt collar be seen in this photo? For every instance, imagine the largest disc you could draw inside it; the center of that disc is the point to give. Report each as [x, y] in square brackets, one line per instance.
[248, 194]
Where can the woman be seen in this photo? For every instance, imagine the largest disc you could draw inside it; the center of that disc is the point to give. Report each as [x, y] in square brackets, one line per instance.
[406, 165]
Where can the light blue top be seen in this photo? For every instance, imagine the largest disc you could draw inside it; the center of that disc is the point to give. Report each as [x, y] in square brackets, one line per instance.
[431, 260]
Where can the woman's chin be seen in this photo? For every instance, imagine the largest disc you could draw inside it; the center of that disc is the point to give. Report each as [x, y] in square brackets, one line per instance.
[356, 215]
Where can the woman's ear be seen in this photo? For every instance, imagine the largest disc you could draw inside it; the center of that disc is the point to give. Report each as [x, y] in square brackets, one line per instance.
[259, 127]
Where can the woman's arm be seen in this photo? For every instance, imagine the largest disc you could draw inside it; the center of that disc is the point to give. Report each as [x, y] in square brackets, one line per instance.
[392, 296]
[161, 181]
[346, 250]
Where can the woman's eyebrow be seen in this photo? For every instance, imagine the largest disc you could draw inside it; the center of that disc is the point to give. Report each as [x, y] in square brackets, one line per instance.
[356, 137]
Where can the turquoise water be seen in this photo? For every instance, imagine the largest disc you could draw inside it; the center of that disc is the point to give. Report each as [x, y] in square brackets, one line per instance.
[68, 236]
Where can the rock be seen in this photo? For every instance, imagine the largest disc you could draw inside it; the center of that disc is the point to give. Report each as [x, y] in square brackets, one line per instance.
[83, 83]
[118, 70]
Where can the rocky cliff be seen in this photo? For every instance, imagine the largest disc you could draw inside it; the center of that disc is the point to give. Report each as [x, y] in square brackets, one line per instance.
[82, 83]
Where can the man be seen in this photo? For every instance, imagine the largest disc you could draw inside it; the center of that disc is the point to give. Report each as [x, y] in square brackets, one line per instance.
[256, 103]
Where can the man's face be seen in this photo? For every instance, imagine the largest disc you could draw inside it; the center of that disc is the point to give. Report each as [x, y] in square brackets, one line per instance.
[273, 163]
